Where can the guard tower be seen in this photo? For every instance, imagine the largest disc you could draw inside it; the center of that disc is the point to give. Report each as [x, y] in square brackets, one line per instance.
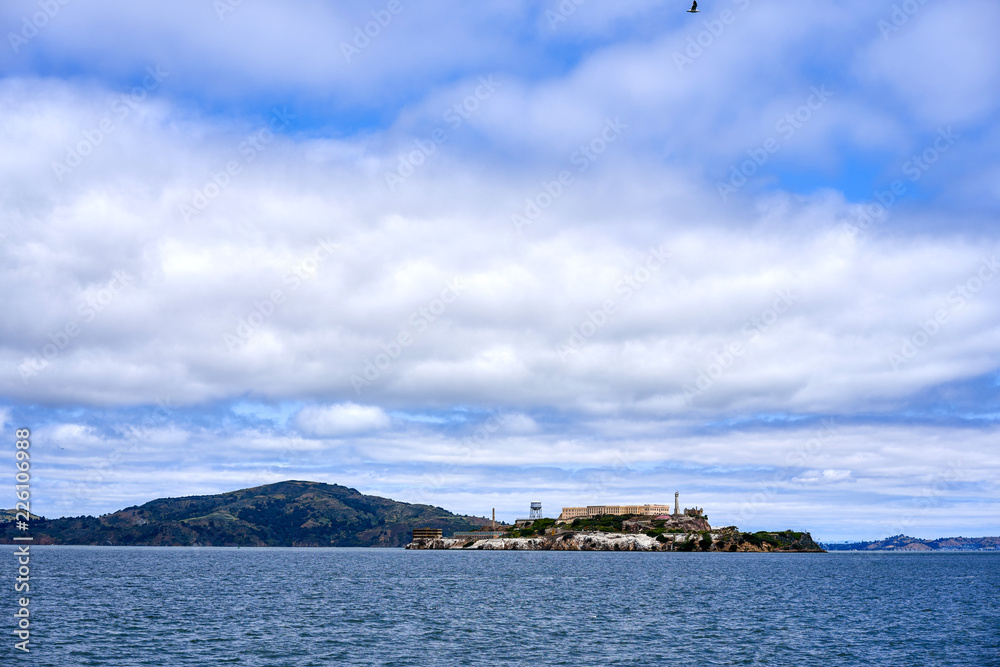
[536, 511]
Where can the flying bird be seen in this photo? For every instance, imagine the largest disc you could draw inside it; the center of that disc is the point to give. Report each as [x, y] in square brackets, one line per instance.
[694, 8]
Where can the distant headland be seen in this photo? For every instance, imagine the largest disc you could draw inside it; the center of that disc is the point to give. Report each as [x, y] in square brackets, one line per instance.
[905, 543]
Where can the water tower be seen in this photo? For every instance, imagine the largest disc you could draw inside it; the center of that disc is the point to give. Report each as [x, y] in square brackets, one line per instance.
[536, 511]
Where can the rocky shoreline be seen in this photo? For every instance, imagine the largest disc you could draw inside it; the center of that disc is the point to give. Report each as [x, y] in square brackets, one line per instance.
[720, 540]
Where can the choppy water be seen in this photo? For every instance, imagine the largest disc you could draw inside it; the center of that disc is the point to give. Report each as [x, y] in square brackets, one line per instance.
[125, 606]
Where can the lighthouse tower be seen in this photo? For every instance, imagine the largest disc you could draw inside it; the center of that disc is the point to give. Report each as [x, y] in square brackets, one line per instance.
[677, 503]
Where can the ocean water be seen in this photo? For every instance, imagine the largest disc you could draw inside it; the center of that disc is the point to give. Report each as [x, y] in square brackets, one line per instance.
[125, 606]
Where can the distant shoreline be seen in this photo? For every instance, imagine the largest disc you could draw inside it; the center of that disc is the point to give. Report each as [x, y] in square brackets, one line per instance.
[907, 544]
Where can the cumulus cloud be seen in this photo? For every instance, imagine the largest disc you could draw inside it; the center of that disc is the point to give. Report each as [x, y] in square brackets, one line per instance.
[823, 476]
[944, 64]
[752, 476]
[519, 424]
[341, 419]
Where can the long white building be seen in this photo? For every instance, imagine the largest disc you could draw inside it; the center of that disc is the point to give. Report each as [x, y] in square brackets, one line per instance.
[570, 513]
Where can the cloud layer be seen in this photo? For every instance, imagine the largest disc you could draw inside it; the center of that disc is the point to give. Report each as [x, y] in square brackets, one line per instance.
[630, 231]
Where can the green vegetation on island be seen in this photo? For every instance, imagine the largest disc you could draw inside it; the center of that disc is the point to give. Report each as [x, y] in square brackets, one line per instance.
[619, 532]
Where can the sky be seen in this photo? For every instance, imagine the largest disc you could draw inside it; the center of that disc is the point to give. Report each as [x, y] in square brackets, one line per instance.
[480, 254]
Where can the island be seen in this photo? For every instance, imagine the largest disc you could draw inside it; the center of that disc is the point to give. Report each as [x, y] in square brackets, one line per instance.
[617, 528]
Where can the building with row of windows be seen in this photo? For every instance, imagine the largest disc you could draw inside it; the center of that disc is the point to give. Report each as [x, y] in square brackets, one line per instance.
[570, 513]
[660, 511]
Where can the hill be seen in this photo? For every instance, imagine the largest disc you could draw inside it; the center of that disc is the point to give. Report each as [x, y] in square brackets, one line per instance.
[291, 513]
[905, 543]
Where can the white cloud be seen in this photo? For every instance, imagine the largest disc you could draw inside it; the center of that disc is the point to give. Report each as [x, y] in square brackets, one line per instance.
[823, 476]
[519, 424]
[944, 62]
[74, 436]
[341, 419]
[199, 286]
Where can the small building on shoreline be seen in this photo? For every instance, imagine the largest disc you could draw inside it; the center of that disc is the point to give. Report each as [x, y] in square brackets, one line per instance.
[427, 533]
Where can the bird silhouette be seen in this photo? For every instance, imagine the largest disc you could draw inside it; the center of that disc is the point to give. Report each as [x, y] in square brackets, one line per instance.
[694, 8]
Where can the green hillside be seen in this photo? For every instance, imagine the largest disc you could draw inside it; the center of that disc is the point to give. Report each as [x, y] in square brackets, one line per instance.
[291, 513]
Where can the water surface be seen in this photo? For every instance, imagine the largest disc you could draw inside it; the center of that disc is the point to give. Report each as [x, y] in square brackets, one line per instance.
[126, 606]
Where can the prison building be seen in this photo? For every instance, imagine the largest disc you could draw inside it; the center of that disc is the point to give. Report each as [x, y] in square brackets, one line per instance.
[570, 513]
